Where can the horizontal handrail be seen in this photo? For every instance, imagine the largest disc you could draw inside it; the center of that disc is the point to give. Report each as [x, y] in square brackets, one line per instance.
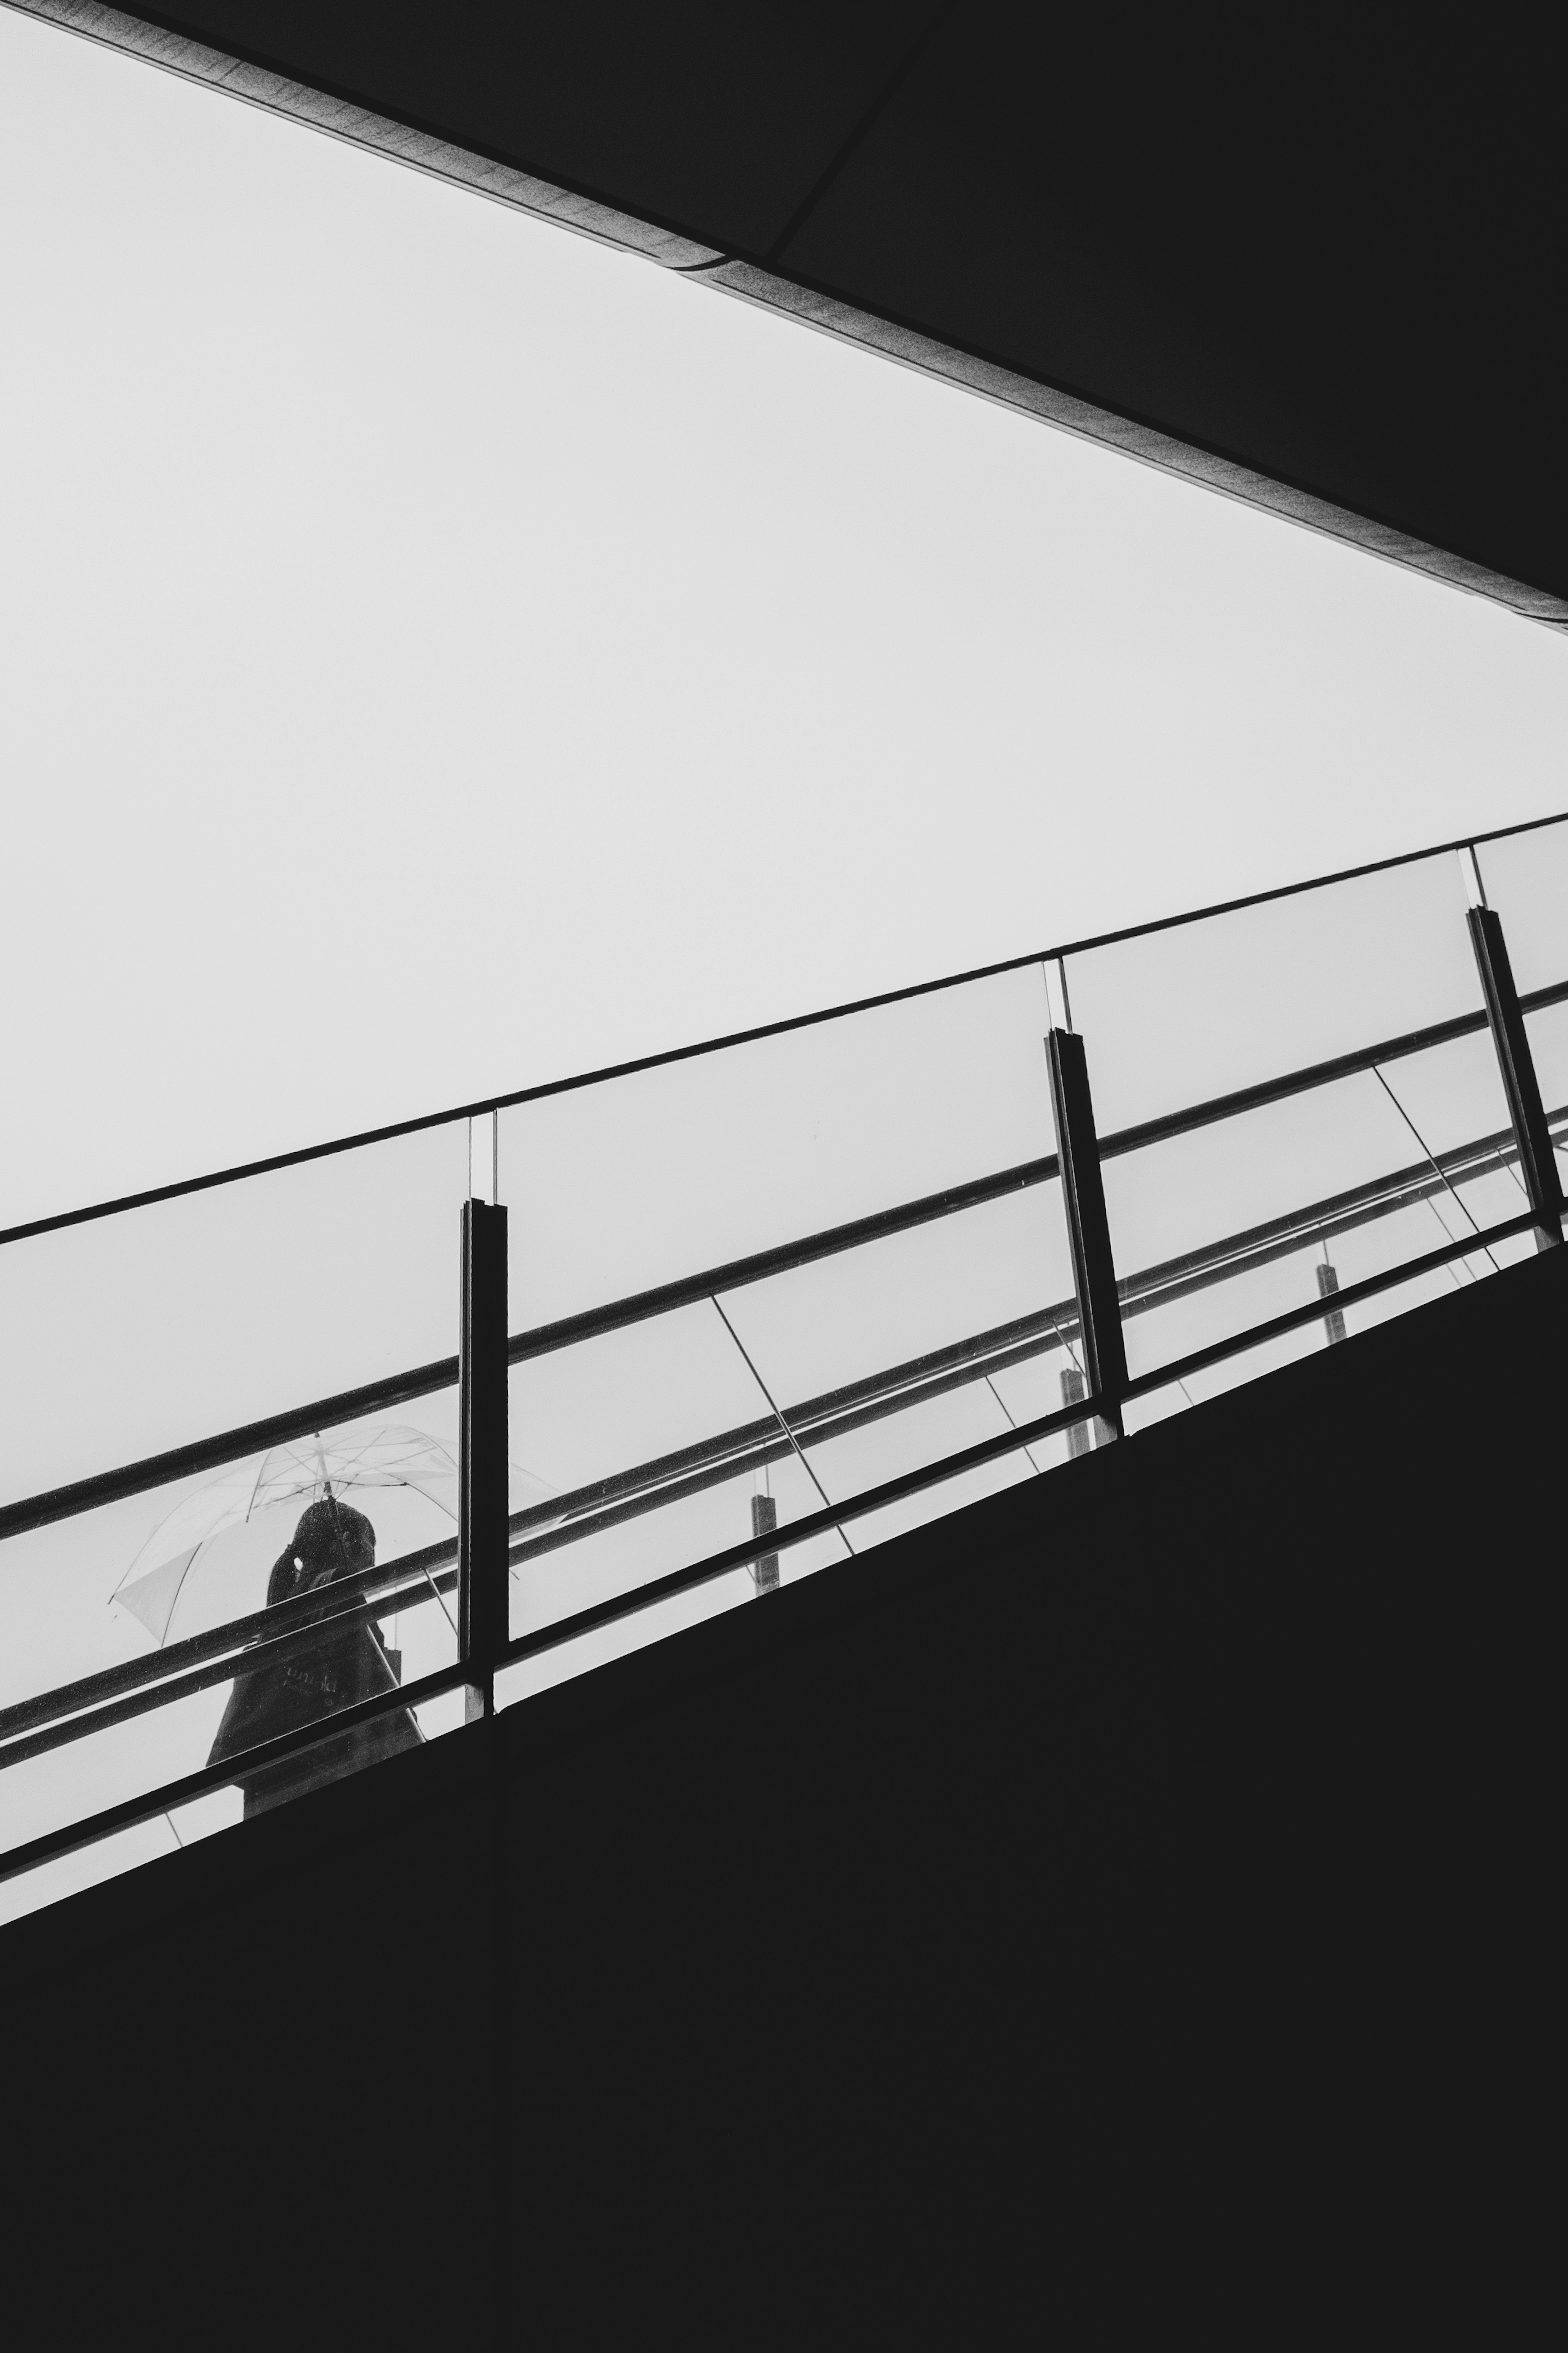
[551, 1087]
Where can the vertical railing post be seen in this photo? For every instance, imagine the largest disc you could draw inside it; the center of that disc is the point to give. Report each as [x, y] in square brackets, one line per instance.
[1537, 1163]
[1089, 1231]
[1328, 1287]
[1075, 1389]
[764, 1523]
[482, 1485]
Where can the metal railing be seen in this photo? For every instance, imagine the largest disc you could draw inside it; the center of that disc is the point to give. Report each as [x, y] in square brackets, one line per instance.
[474, 1566]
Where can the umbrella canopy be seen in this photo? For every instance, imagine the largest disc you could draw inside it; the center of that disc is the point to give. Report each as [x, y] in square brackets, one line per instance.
[216, 1540]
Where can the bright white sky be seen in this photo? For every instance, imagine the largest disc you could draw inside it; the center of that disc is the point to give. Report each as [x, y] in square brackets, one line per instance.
[437, 654]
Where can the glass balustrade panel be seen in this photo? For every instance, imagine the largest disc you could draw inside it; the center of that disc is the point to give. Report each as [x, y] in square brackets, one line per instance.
[622, 1185]
[922, 1346]
[1245, 1218]
[241, 1606]
[688, 1433]
[1184, 1016]
[1547, 1032]
[648, 1445]
[1336, 1323]
[185, 1626]
[1526, 878]
[317, 1548]
[165, 1325]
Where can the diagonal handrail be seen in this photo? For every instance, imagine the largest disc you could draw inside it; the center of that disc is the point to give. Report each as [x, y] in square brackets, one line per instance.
[229, 1446]
[397, 1129]
[621, 1497]
[148, 1806]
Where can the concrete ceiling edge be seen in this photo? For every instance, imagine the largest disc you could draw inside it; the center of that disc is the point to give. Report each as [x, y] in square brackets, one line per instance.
[888, 339]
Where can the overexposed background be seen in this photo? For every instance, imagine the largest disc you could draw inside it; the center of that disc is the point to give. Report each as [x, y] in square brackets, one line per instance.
[437, 653]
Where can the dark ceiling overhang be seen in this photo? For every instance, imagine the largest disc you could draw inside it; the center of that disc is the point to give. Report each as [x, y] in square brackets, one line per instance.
[1310, 263]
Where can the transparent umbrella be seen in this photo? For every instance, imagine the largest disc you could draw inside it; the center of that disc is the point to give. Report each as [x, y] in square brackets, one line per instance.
[208, 1560]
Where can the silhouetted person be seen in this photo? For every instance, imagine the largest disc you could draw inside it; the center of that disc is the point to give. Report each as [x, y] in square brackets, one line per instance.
[346, 1665]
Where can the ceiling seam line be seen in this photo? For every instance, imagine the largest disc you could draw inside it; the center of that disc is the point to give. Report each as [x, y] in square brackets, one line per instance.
[849, 145]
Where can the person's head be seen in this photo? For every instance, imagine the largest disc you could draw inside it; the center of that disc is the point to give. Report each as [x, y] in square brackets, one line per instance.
[332, 1540]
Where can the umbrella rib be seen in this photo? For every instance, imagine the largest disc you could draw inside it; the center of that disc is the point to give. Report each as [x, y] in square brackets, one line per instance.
[195, 1552]
[411, 1446]
[256, 1485]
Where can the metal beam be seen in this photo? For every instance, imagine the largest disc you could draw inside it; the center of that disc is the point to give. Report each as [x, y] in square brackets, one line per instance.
[1089, 1231]
[482, 1450]
[759, 279]
[1537, 1162]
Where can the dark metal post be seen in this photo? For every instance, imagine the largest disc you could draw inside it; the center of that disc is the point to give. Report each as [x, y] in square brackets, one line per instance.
[1334, 1321]
[483, 1496]
[1094, 1270]
[765, 1520]
[1537, 1165]
[1075, 1389]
